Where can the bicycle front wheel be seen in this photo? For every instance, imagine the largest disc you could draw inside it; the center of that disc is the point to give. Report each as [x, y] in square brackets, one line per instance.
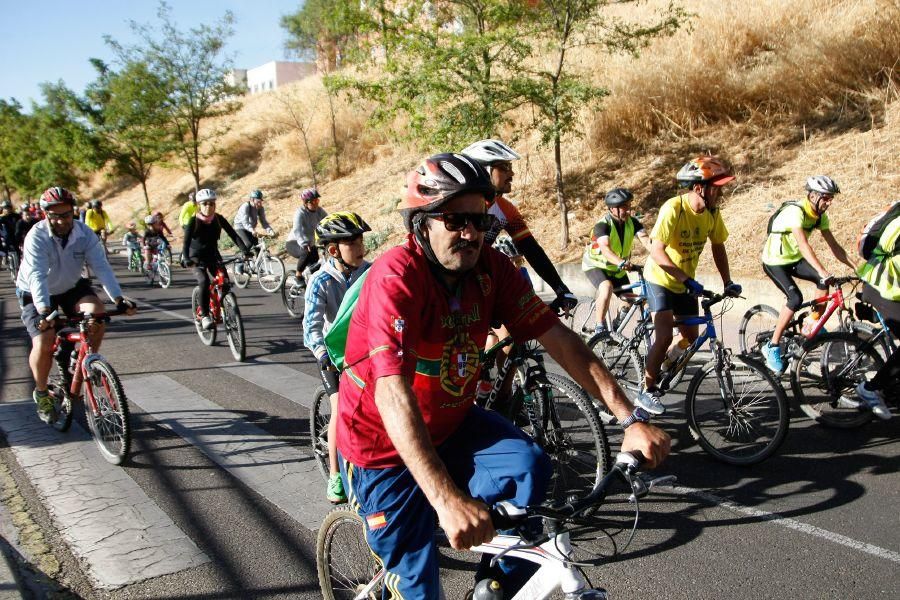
[318, 430]
[738, 414]
[572, 436]
[757, 326]
[62, 403]
[271, 274]
[292, 296]
[346, 567]
[825, 374]
[234, 327]
[240, 275]
[13, 264]
[108, 416]
[165, 274]
[207, 336]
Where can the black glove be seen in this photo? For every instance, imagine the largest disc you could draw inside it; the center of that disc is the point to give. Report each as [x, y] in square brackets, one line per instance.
[733, 289]
[565, 301]
[826, 281]
[325, 363]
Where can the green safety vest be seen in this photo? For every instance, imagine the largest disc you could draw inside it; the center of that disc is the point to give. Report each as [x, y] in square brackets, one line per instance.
[594, 259]
[882, 271]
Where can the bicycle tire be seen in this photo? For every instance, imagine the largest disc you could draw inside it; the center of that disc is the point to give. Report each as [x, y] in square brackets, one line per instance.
[344, 563]
[271, 274]
[12, 263]
[291, 296]
[62, 404]
[110, 426]
[818, 381]
[755, 425]
[207, 336]
[319, 415]
[234, 327]
[624, 363]
[756, 328]
[134, 261]
[165, 274]
[866, 331]
[240, 279]
[572, 435]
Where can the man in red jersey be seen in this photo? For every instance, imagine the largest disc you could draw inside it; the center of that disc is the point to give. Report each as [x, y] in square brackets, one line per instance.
[412, 442]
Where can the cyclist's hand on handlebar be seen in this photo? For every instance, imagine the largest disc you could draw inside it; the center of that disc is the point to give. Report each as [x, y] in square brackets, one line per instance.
[466, 521]
[693, 286]
[325, 363]
[733, 289]
[45, 323]
[826, 280]
[126, 305]
[651, 441]
[565, 301]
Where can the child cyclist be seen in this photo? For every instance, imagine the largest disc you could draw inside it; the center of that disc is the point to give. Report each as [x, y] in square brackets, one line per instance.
[201, 246]
[787, 254]
[132, 241]
[607, 258]
[340, 235]
[154, 238]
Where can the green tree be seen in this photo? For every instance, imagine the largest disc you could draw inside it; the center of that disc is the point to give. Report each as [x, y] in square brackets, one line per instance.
[193, 65]
[12, 123]
[324, 29]
[559, 90]
[127, 110]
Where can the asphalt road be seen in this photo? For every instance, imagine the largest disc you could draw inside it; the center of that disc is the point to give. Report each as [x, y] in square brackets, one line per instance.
[818, 520]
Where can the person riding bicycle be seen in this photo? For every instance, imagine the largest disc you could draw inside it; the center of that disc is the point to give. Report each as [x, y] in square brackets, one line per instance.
[154, 239]
[787, 254]
[132, 241]
[881, 289]
[55, 253]
[188, 210]
[679, 236]
[201, 247]
[299, 242]
[23, 226]
[248, 214]
[412, 443]
[98, 220]
[163, 227]
[340, 235]
[8, 221]
[607, 258]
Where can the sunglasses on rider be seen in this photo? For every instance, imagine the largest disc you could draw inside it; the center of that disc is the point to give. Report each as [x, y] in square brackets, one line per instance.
[60, 216]
[458, 221]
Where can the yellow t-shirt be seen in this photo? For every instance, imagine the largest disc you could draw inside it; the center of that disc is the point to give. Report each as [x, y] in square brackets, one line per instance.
[781, 246]
[684, 232]
[96, 219]
[187, 211]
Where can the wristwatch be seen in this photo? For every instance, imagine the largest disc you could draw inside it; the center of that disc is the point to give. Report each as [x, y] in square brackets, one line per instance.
[638, 415]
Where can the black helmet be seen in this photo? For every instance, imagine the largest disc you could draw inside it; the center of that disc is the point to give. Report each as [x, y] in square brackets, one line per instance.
[340, 226]
[617, 197]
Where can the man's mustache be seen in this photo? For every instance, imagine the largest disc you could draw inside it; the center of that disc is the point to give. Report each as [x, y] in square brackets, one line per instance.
[463, 244]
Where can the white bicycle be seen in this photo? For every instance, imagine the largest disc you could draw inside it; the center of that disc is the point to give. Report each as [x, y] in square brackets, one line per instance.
[348, 569]
[269, 269]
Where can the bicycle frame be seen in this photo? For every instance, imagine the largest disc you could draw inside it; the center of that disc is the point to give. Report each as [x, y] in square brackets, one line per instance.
[86, 356]
[216, 293]
[708, 334]
[835, 301]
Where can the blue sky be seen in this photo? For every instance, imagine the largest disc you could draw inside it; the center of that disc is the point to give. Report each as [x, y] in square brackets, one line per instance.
[48, 40]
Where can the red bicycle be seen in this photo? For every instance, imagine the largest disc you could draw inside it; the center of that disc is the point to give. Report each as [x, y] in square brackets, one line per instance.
[223, 309]
[105, 404]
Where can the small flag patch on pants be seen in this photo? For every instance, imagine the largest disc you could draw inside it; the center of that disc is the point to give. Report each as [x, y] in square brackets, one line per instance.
[376, 521]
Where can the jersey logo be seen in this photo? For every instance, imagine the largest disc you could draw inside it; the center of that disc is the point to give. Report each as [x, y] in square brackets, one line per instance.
[459, 362]
[376, 521]
[399, 324]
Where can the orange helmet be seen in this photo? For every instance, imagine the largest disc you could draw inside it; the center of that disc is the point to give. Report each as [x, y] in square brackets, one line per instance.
[439, 179]
[705, 170]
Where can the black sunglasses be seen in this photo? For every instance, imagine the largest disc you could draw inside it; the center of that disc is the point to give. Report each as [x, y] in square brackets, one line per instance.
[458, 221]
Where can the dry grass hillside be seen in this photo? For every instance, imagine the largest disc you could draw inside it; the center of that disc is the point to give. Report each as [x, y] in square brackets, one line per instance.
[781, 89]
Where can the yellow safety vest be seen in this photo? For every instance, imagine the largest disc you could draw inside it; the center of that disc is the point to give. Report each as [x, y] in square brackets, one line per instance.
[593, 257]
[882, 271]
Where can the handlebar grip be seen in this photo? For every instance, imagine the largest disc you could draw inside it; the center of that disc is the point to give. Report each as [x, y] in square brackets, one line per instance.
[506, 516]
[52, 315]
[632, 458]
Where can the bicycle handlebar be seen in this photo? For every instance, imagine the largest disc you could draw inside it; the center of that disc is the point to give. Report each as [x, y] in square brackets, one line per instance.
[102, 316]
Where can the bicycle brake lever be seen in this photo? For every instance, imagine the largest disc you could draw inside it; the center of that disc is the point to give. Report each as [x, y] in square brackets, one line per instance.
[666, 480]
[641, 487]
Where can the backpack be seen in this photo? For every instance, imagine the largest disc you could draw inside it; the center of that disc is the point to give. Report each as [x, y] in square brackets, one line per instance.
[871, 233]
[336, 338]
[798, 204]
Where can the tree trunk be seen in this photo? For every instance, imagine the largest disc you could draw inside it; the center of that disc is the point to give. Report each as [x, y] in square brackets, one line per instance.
[312, 165]
[560, 195]
[146, 196]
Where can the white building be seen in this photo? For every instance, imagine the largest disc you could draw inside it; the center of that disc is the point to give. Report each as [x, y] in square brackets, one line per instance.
[277, 73]
[237, 77]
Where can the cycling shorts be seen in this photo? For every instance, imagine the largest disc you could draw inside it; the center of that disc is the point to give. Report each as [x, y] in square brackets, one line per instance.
[783, 276]
[598, 276]
[661, 298]
[67, 301]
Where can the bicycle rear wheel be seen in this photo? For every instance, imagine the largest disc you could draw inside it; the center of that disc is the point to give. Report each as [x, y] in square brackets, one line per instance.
[271, 274]
[318, 430]
[207, 336]
[623, 362]
[234, 327]
[345, 565]
[825, 374]
[757, 326]
[109, 424]
[292, 296]
[165, 274]
[738, 414]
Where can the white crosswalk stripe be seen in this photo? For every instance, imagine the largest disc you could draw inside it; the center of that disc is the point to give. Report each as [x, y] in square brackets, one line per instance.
[107, 520]
[296, 386]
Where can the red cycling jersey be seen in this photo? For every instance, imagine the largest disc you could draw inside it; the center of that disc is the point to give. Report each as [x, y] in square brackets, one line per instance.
[408, 323]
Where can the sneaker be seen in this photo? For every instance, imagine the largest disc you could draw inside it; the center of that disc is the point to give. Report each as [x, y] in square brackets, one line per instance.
[206, 323]
[601, 330]
[848, 402]
[335, 491]
[648, 399]
[45, 408]
[773, 358]
[874, 400]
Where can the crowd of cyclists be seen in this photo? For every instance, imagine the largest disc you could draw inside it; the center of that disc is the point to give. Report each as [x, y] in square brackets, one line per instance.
[408, 447]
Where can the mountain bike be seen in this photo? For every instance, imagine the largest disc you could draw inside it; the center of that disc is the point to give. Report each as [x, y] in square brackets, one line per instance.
[828, 367]
[223, 309]
[293, 291]
[553, 410]
[348, 569]
[758, 323]
[160, 267]
[268, 269]
[105, 404]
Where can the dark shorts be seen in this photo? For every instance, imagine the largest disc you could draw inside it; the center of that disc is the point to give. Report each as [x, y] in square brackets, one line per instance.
[330, 380]
[783, 277]
[598, 276]
[67, 302]
[682, 305]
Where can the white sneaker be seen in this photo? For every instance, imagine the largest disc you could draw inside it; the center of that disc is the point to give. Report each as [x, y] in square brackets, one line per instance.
[874, 400]
[648, 399]
[206, 323]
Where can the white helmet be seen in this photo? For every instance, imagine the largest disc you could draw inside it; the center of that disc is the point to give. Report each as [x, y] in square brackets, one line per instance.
[205, 195]
[488, 152]
[151, 219]
[822, 184]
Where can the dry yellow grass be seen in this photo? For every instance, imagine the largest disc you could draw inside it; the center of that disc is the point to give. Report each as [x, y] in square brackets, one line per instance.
[782, 90]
